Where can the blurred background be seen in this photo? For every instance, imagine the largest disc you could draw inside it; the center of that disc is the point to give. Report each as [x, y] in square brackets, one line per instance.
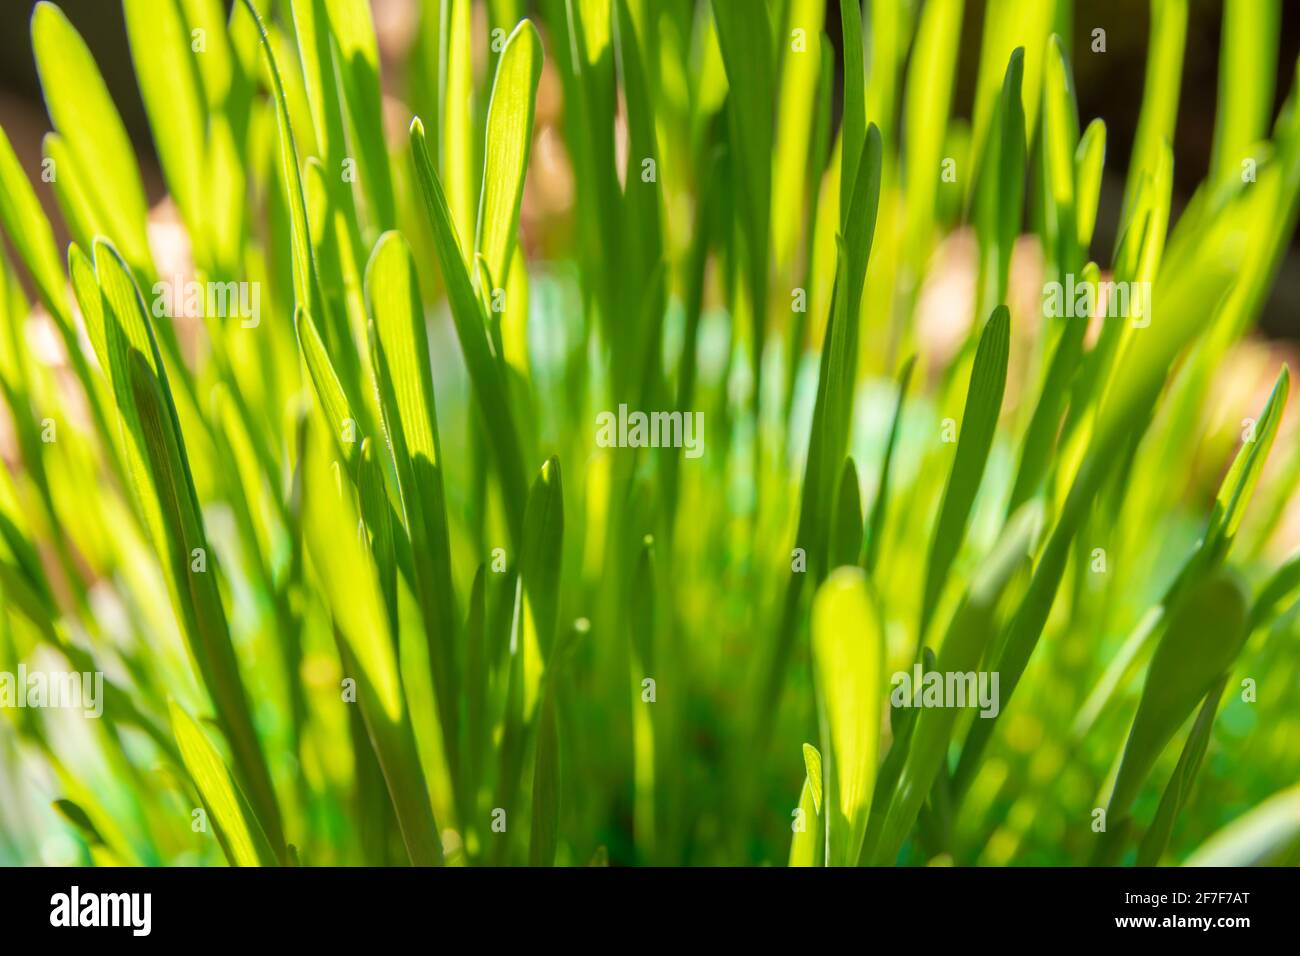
[1108, 85]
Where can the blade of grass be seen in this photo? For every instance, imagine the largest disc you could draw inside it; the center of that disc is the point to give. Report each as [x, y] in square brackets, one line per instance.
[485, 369]
[848, 661]
[979, 421]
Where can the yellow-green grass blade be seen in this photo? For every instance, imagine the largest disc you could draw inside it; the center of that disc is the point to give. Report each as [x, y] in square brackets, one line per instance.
[306, 281]
[404, 378]
[485, 368]
[165, 491]
[541, 559]
[1160, 92]
[848, 662]
[1185, 301]
[458, 113]
[1044, 424]
[979, 421]
[171, 87]
[350, 583]
[1008, 25]
[808, 845]
[1089, 159]
[236, 826]
[357, 50]
[791, 184]
[1247, 73]
[1058, 149]
[1239, 484]
[832, 411]
[29, 229]
[84, 115]
[506, 149]
[927, 104]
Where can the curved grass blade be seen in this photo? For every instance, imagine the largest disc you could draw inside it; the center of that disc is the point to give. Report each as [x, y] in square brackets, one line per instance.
[237, 828]
[508, 142]
[165, 491]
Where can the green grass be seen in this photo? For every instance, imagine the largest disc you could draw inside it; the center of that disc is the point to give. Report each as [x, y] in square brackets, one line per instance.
[364, 586]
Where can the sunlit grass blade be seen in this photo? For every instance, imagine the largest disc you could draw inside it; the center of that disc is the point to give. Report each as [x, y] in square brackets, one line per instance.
[507, 146]
[356, 603]
[165, 491]
[808, 845]
[85, 116]
[1160, 92]
[1247, 74]
[485, 369]
[848, 660]
[236, 826]
[404, 378]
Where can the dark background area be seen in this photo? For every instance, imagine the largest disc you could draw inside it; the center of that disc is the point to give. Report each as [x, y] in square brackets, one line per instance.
[1108, 85]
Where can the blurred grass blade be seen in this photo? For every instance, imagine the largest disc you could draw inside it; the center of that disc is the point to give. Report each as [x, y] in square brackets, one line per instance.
[963, 648]
[1180, 784]
[1258, 837]
[1205, 633]
[879, 507]
[546, 786]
